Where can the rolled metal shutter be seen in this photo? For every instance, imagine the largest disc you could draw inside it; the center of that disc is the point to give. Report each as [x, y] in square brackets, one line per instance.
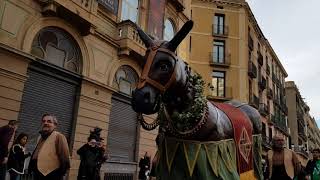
[47, 90]
[122, 135]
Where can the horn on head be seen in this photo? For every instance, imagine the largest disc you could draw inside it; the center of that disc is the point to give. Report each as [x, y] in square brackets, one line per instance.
[144, 37]
[181, 34]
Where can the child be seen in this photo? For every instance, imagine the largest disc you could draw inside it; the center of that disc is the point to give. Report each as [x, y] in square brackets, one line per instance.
[17, 157]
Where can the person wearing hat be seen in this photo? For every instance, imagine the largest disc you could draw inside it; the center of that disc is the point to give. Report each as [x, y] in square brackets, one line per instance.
[92, 155]
[6, 133]
[50, 160]
[313, 166]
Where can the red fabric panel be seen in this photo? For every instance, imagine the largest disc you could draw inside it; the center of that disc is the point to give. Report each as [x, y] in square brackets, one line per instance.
[241, 126]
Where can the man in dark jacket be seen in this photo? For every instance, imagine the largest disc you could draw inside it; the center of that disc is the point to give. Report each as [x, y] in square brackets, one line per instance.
[6, 133]
[92, 155]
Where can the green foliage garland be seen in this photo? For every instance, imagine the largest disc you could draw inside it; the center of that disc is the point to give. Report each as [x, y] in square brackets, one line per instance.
[187, 119]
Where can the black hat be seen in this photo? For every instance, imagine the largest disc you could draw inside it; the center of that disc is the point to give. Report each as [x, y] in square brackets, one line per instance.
[95, 134]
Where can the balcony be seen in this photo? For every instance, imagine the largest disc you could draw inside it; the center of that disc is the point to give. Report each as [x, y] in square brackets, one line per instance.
[274, 78]
[80, 17]
[273, 119]
[276, 100]
[260, 58]
[178, 4]
[221, 62]
[302, 136]
[85, 5]
[250, 43]
[300, 117]
[252, 70]
[300, 150]
[269, 117]
[278, 82]
[129, 40]
[268, 70]
[263, 109]
[254, 101]
[262, 83]
[220, 30]
[266, 141]
[284, 108]
[280, 125]
[225, 97]
[270, 93]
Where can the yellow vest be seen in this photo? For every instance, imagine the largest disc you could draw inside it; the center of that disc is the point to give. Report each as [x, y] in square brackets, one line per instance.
[48, 160]
[288, 164]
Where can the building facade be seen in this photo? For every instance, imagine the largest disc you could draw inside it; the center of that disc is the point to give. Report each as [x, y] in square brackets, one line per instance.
[237, 62]
[80, 60]
[312, 134]
[303, 128]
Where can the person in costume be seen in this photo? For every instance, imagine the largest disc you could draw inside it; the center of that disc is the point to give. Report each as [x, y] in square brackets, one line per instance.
[282, 162]
[50, 160]
[92, 155]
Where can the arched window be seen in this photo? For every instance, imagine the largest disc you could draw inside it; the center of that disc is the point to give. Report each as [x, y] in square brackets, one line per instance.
[168, 30]
[129, 10]
[125, 79]
[57, 47]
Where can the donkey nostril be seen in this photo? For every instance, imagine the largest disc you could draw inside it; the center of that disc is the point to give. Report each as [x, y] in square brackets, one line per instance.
[146, 97]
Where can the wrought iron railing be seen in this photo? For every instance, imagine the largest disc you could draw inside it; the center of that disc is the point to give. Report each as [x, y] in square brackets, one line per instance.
[269, 93]
[266, 141]
[260, 58]
[252, 69]
[301, 150]
[263, 109]
[250, 43]
[262, 83]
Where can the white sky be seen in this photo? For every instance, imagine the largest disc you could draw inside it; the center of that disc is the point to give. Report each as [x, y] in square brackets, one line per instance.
[293, 30]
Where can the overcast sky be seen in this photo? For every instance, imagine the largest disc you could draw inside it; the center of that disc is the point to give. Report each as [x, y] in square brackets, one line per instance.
[293, 30]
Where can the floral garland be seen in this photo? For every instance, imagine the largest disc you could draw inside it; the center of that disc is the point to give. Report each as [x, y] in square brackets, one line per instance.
[189, 118]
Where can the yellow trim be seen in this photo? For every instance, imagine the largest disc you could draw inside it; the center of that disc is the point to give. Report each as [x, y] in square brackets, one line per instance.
[214, 166]
[169, 161]
[191, 166]
[248, 175]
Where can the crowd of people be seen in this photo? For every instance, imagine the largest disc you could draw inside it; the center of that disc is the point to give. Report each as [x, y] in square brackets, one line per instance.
[52, 146]
[283, 164]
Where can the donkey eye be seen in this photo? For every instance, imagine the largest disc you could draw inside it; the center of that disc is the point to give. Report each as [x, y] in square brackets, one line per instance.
[164, 67]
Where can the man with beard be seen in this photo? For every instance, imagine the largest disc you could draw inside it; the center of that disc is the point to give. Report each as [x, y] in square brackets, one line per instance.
[6, 133]
[50, 159]
[282, 162]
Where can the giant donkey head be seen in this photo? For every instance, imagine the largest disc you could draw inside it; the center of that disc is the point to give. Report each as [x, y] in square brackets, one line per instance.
[162, 71]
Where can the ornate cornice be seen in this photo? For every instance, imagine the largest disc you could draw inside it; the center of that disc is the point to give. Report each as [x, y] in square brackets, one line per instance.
[233, 3]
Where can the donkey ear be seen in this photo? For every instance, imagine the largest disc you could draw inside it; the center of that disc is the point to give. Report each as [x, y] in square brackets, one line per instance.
[176, 40]
[144, 37]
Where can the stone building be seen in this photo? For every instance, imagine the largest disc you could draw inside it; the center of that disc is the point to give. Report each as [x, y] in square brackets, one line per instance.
[80, 60]
[303, 129]
[237, 62]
